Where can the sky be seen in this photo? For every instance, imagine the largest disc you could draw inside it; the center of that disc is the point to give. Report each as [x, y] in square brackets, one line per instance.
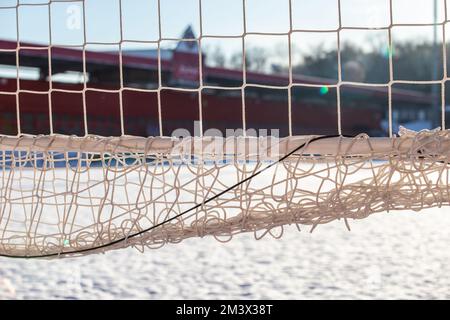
[105, 26]
[219, 17]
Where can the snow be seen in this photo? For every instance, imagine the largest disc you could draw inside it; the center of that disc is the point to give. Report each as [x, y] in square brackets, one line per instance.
[388, 255]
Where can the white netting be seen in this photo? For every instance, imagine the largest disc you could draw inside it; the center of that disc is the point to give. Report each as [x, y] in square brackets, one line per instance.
[69, 201]
[66, 195]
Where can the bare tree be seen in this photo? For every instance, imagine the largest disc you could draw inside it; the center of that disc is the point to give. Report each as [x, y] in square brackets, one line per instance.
[236, 60]
[218, 58]
[256, 59]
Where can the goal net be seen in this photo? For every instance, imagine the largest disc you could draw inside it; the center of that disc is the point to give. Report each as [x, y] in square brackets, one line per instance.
[115, 132]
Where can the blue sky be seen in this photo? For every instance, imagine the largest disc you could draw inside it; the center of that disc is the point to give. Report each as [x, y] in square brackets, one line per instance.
[219, 17]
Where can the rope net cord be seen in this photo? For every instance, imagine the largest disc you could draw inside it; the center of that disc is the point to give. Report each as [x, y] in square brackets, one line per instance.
[75, 202]
[63, 195]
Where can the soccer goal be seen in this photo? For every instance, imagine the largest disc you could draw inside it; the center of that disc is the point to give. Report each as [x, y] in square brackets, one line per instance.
[116, 133]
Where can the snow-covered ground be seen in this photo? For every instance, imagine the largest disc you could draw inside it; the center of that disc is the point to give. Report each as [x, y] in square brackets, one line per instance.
[388, 255]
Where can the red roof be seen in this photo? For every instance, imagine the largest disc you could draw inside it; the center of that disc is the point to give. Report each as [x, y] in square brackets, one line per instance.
[138, 62]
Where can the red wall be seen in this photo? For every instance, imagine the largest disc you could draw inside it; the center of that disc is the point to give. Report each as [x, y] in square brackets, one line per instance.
[178, 109]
